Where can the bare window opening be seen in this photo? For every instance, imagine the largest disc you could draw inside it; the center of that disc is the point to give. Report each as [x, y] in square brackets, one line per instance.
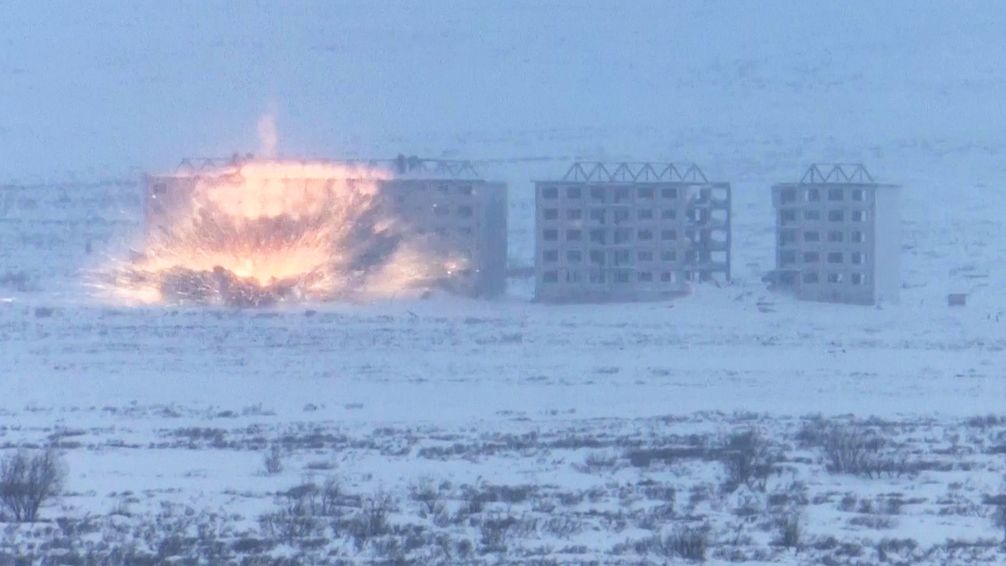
[597, 236]
[597, 215]
[550, 256]
[787, 216]
[597, 193]
[621, 215]
[645, 235]
[573, 192]
[597, 257]
[550, 235]
[668, 235]
[835, 236]
[574, 214]
[550, 192]
[811, 257]
[621, 194]
[669, 214]
[669, 192]
[812, 215]
[644, 255]
[787, 195]
[596, 277]
[835, 195]
[787, 257]
[836, 216]
[550, 276]
[622, 257]
[465, 190]
[835, 257]
[810, 277]
[645, 192]
[811, 237]
[644, 214]
[622, 236]
[645, 276]
[465, 211]
[669, 255]
[813, 195]
[574, 235]
[574, 256]
[859, 195]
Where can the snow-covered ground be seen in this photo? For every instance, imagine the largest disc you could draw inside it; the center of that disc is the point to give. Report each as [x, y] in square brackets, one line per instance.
[161, 407]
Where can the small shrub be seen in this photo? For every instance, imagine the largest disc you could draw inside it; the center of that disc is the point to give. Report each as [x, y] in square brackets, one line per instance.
[789, 531]
[688, 542]
[495, 530]
[28, 480]
[273, 461]
[426, 494]
[748, 460]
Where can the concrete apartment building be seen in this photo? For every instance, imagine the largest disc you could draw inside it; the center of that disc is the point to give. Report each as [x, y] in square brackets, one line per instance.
[629, 231]
[837, 236]
[443, 201]
[449, 200]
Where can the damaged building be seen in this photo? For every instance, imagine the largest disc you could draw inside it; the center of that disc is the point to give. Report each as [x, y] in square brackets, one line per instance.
[418, 222]
[837, 236]
[629, 231]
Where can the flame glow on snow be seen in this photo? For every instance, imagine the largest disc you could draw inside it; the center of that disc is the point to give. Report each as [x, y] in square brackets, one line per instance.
[259, 231]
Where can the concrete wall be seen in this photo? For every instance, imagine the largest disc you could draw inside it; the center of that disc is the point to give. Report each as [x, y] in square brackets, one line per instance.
[887, 227]
[467, 216]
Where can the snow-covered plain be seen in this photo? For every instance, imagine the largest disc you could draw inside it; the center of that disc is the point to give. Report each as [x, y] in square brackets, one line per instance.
[160, 407]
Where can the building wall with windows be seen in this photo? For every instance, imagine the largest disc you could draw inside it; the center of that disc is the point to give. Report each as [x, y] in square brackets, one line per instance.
[468, 216]
[625, 241]
[837, 241]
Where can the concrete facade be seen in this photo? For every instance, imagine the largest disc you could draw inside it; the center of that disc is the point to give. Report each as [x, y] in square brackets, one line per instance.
[630, 231]
[837, 236]
[467, 216]
[442, 201]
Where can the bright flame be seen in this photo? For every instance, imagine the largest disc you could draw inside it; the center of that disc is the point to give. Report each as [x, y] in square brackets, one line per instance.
[264, 231]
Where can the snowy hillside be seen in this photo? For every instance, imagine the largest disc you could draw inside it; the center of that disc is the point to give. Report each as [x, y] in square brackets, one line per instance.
[510, 431]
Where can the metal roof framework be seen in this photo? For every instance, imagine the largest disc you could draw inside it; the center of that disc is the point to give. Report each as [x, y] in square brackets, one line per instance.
[836, 173]
[407, 167]
[634, 172]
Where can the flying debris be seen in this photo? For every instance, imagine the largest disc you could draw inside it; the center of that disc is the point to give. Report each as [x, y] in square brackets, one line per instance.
[251, 233]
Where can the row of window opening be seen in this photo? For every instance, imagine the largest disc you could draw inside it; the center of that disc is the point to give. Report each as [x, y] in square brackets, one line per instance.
[600, 194]
[618, 257]
[618, 236]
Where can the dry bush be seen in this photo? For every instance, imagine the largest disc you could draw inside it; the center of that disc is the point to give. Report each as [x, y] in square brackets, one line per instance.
[27, 480]
[749, 460]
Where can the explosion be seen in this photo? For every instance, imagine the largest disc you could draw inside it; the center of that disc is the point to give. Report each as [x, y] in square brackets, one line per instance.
[257, 232]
